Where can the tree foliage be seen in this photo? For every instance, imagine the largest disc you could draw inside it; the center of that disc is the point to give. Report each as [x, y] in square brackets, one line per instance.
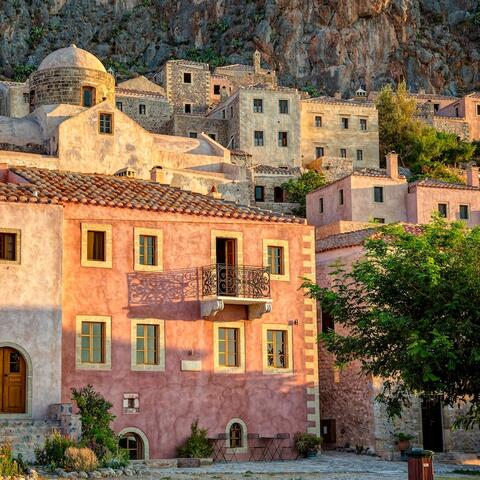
[297, 188]
[425, 150]
[412, 316]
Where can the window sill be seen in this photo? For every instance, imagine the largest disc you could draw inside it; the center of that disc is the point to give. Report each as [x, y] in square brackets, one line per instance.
[94, 366]
[138, 267]
[234, 370]
[96, 264]
[278, 371]
[148, 368]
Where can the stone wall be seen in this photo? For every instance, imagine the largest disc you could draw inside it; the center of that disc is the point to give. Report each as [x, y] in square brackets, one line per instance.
[183, 125]
[64, 85]
[157, 114]
[332, 168]
[14, 99]
[458, 126]
[196, 93]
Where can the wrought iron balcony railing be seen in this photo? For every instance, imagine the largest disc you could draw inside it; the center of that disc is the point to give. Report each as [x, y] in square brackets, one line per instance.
[235, 281]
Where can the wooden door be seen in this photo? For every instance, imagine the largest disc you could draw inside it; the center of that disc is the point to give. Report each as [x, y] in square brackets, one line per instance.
[12, 383]
[432, 425]
[227, 271]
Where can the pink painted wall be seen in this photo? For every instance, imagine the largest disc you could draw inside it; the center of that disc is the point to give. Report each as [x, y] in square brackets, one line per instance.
[350, 400]
[422, 202]
[171, 400]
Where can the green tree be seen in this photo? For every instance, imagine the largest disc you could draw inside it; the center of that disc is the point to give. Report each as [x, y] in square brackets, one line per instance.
[297, 188]
[425, 150]
[409, 310]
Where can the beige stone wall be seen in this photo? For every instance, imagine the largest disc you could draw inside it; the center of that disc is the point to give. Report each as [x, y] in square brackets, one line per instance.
[157, 111]
[64, 85]
[30, 303]
[452, 125]
[14, 100]
[183, 125]
[269, 182]
[332, 137]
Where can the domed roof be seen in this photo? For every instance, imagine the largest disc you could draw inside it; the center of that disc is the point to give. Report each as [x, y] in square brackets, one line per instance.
[71, 57]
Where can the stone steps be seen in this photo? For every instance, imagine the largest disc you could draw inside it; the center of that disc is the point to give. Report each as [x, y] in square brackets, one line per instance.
[26, 435]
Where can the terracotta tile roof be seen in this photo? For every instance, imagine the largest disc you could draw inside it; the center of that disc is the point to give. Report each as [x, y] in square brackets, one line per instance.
[59, 187]
[357, 237]
[431, 182]
[474, 95]
[341, 101]
[269, 170]
[129, 92]
[434, 96]
[236, 151]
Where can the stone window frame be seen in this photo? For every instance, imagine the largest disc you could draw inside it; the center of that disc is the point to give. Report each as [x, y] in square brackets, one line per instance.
[460, 205]
[256, 108]
[317, 147]
[283, 138]
[381, 190]
[268, 242]
[342, 151]
[98, 227]
[268, 370]
[217, 368]
[184, 76]
[345, 125]
[141, 434]
[261, 189]
[447, 205]
[119, 105]
[238, 236]
[244, 448]
[111, 126]
[477, 109]
[18, 245]
[315, 123]
[280, 100]
[154, 232]
[360, 124]
[127, 409]
[140, 105]
[261, 137]
[107, 364]
[359, 151]
[160, 366]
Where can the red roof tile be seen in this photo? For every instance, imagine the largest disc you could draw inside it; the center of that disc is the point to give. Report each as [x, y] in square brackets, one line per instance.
[432, 183]
[59, 187]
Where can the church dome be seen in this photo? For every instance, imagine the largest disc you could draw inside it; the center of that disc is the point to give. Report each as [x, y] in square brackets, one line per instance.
[71, 57]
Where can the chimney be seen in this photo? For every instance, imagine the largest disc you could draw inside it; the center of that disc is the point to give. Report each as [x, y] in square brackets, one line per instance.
[472, 176]
[338, 95]
[392, 165]
[157, 174]
[257, 60]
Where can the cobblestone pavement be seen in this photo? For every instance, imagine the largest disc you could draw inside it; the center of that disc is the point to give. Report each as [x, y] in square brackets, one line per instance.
[328, 466]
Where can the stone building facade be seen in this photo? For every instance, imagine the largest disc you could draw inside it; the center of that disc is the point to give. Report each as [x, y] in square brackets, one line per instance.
[336, 128]
[14, 99]
[56, 80]
[193, 125]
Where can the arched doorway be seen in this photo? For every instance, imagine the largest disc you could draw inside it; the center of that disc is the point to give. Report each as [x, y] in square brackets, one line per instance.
[133, 443]
[13, 373]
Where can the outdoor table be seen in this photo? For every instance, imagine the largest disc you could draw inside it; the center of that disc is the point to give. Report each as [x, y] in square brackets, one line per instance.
[268, 441]
[279, 444]
[253, 445]
[218, 444]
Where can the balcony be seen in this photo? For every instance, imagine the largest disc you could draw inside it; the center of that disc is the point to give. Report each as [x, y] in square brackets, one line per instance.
[235, 285]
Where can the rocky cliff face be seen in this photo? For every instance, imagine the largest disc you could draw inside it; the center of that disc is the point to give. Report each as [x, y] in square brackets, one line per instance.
[330, 44]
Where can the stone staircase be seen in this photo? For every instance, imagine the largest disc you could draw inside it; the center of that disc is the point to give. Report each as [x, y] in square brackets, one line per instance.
[26, 434]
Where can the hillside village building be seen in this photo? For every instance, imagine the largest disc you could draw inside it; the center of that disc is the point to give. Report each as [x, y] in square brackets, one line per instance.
[197, 310]
[344, 213]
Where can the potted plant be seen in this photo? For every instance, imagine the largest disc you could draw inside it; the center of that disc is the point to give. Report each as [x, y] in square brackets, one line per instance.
[307, 444]
[402, 440]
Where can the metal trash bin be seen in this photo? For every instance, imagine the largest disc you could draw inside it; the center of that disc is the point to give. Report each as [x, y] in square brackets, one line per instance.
[420, 464]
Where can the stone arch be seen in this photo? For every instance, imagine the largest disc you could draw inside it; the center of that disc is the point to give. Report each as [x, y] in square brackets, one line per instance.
[28, 380]
[143, 438]
[244, 447]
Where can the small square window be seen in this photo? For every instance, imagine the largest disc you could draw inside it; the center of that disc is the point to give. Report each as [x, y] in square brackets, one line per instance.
[283, 139]
[258, 138]
[213, 136]
[378, 220]
[464, 213]
[259, 193]
[359, 155]
[187, 77]
[105, 124]
[363, 124]
[187, 108]
[9, 246]
[443, 210]
[275, 260]
[142, 109]
[378, 194]
[192, 134]
[320, 205]
[283, 106]
[216, 89]
[340, 196]
[345, 122]
[319, 152]
[436, 107]
[318, 121]
[343, 153]
[119, 105]
[257, 105]
[278, 195]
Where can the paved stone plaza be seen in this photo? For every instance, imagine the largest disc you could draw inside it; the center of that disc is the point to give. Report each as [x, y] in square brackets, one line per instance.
[328, 466]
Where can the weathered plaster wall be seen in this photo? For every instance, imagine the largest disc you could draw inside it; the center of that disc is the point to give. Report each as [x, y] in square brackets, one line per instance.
[30, 303]
[14, 99]
[183, 125]
[332, 137]
[171, 400]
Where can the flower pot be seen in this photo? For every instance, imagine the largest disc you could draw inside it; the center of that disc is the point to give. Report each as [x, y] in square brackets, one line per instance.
[311, 454]
[403, 445]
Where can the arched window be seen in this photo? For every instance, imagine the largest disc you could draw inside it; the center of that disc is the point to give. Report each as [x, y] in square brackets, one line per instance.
[236, 435]
[133, 444]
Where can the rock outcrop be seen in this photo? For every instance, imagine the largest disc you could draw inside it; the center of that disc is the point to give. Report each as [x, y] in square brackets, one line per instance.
[328, 44]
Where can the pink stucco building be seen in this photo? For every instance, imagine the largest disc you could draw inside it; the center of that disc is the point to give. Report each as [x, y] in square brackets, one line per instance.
[176, 306]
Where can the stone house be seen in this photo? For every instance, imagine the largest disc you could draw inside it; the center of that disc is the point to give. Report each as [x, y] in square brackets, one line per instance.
[164, 293]
[14, 99]
[335, 130]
